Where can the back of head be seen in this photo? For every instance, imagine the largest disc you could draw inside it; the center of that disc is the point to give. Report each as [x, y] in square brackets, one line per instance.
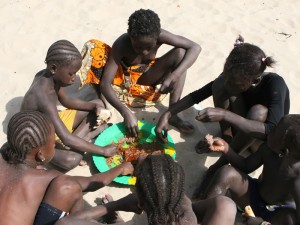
[143, 22]
[27, 130]
[292, 134]
[160, 187]
[247, 60]
[61, 53]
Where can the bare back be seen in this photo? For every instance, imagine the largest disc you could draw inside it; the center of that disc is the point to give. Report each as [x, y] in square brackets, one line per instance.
[21, 192]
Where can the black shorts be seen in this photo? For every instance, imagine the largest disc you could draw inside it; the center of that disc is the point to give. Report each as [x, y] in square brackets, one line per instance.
[48, 215]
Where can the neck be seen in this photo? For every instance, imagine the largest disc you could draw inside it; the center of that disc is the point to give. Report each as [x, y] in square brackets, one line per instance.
[30, 164]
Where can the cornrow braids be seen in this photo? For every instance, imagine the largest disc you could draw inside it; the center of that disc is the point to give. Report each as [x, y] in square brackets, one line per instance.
[143, 22]
[27, 130]
[247, 60]
[160, 187]
[61, 53]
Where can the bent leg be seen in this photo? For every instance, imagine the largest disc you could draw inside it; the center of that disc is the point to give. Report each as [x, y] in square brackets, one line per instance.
[215, 211]
[64, 195]
[240, 141]
[66, 159]
[230, 179]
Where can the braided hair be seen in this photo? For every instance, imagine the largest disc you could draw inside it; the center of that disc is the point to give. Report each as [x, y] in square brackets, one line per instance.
[160, 187]
[27, 130]
[247, 60]
[143, 22]
[61, 53]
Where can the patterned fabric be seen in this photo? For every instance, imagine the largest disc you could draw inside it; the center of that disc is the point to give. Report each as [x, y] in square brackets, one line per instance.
[95, 54]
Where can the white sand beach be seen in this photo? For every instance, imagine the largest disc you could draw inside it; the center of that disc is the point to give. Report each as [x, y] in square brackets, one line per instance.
[29, 27]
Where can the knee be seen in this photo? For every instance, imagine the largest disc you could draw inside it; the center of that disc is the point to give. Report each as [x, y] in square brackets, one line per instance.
[225, 206]
[68, 161]
[227, 173]
[66, 187]
[258, 113]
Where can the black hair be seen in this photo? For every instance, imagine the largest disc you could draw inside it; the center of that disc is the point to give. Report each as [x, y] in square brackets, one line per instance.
[292, 136]
[247, 60]
[26, 130]
[160, 187]
[143, 22]
[62, 52]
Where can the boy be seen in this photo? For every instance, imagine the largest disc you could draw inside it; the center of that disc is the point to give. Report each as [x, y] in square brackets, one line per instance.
[136, 52]
[74, 129]
[275, 196]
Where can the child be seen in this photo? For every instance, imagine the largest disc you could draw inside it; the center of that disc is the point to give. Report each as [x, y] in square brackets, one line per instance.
[249, 103]
[74, 126]
[29, 195]
[160, 191]
[135, 71]
[275, 196]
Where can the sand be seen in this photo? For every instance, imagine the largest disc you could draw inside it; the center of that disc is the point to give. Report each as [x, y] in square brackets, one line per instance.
[29, 27]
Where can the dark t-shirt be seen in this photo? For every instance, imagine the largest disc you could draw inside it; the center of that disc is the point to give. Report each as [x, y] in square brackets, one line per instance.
[272, 92]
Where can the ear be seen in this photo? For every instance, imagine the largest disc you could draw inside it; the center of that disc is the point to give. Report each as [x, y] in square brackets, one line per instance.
[53, 68]
[40, 156]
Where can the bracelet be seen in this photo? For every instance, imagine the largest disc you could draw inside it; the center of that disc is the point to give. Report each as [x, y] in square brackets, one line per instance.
[265, 223]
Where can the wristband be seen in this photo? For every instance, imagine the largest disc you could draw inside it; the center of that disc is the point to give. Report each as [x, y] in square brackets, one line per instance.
[265, 223]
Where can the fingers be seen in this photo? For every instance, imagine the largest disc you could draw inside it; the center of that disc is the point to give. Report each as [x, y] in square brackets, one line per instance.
[162, 137]
[133, 131]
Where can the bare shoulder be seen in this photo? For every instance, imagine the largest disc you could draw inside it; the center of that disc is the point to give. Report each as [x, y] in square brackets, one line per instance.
[122, 44]
[41, 93]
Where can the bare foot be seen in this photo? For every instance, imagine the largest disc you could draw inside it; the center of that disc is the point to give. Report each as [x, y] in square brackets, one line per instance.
[183, 126]
[112, 217]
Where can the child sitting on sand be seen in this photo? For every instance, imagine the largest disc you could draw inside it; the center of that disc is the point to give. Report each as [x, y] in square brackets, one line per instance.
[138, 77]
[248, 102]
[275, 195]
[74, 127]
[160, 191]
[32, 195]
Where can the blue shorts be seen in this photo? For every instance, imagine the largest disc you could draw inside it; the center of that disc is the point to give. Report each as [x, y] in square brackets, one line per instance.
[258, 205]
[48, 215]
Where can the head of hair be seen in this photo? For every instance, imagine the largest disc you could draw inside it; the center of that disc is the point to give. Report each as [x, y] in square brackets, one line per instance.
[292, 134]
[160, 187]
[143, 22]
[247, 60]
[61, 53]
[26, 131]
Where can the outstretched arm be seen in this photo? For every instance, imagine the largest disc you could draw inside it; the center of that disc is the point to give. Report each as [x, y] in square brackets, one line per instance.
[110, 70]
[252, 128]
[100, 180]
[183, 104]
[247, 165]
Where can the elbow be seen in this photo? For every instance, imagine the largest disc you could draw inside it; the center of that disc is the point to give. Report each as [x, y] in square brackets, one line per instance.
[197, 48]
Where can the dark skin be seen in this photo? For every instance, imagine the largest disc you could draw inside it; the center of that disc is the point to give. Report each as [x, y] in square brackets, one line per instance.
[169, 70]
[278, 183]
[45, 91]
[230, 111]
[23, 186]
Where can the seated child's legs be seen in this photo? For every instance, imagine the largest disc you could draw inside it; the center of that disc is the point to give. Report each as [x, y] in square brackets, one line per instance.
[64, 195]
[162, 67]
[66, 159]
[217, 210]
